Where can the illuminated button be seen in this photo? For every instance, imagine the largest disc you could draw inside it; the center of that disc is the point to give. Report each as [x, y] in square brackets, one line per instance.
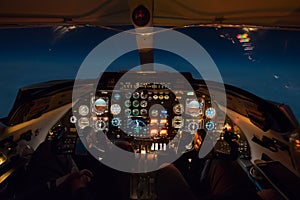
[161, 97]
[83, 110]
[155, 97]
[135, 103]
[166, 97]
[127, 103]
[153, 132]
[163, 121]
[163, 133]
[135, 112]
[153, 121]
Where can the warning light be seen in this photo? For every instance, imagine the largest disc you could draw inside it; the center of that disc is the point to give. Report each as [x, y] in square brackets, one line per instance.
[242, 36]
[141, 16]
[163, 133]
[244, 40]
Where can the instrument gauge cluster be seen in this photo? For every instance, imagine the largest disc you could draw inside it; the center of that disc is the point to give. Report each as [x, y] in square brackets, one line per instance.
[152, 114]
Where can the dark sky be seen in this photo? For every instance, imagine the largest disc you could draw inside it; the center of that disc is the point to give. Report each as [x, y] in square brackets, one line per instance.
[268, 68]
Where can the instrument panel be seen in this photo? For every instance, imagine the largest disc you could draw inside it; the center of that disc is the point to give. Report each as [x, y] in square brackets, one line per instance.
[149, 116]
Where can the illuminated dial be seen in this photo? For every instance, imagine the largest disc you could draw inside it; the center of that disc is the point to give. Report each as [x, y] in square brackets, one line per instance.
[210, 112]
[143, 112]
[100, 105]
[154, 112]
[100, 125]
[115, 109]
[83, 122]
[115, 121]
[144, 95]
[73, 119]
[178, 109]
[127, 112]
[177, 122]
[128, 95]
[83, 110]
[193, 127]
[193, 108]
[143, 103]
[210, 125]
[135, 103]
[127, 103]
[135, 95]
[117, 96]
[135, 112]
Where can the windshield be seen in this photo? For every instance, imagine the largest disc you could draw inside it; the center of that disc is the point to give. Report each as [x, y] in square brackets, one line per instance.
[261, 61]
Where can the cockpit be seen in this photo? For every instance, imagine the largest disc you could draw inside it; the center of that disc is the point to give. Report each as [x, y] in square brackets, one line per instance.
[141, 100]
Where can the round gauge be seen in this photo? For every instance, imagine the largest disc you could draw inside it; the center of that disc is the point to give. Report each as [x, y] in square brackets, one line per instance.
[83, 122]
[144, 95]
[83, 110]
[135, 103]
[143, 103]
[193, 127]
[115, 109]
[73, 119]
[135, 95]
[154, 112]
[127, 112]
[115, 121]
[117, 96]
[127, 103]
[128, 95]
[177, 122]
[193, 108]
[210, 112]
[135, 112]
[178, 109]
[210, 125]
[100, 105]
[100, 125]
[143, 112]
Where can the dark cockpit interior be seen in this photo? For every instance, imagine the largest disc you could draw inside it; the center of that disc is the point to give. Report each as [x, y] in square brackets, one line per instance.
[141, 100]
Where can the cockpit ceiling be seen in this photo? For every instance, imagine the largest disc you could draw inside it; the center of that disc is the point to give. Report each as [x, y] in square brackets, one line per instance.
[270, 13]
